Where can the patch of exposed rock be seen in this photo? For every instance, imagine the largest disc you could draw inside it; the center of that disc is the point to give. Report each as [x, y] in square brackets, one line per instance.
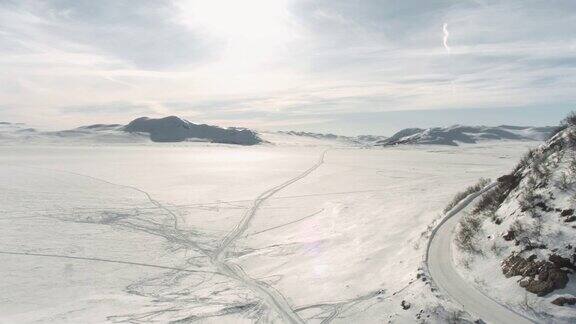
[509, 236]
[405, 305]
[561, 301]
[539, 277]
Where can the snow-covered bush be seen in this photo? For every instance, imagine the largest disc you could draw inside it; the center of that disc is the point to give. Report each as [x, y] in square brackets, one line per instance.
[570, 120]
[456, 317]
[466, 233]
[491, 200]
[528, 198]
[468, 191]
[519, 230]
[536, 230]
[556, 131]
[572, 166]
[564, 181]
[525, 161]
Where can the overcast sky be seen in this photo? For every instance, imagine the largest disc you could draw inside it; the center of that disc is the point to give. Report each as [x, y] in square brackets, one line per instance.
[342, 66]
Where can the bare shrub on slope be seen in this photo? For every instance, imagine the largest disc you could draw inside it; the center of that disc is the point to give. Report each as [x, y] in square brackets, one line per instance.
[527, 200]
[491, 201]
[466, 233]
[570, 120]
[468, 191]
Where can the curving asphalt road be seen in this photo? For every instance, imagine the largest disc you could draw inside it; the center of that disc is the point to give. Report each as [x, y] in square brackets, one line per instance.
[443, 272]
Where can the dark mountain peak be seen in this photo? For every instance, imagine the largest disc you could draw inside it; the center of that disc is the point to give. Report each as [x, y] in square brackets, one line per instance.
[176, 129]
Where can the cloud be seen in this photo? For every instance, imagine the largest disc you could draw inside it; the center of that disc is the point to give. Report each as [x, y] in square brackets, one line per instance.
[445, 38]
[322, 59]
[139, 33]
[109, 109]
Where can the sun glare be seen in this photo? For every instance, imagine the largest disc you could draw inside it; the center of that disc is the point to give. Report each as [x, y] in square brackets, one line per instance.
[239, 21]
[253, 35]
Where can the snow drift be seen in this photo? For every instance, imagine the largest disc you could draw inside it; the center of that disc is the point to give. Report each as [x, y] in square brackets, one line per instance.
[465, 134]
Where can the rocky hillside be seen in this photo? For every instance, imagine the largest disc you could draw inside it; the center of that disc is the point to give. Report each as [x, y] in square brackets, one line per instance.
[519, 240]
[465, 134]
[174, 129]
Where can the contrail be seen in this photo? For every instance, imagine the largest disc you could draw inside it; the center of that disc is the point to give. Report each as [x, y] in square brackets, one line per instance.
[445, 39]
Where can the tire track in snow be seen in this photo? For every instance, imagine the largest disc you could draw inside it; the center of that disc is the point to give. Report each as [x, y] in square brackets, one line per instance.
[156, 203]
[62, 256]
[272, 296]
[226, 268]
[210, 205]
[286, 224]
[244, 223]
[145, 193]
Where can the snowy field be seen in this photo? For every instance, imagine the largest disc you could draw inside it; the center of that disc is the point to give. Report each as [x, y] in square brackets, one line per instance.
[295, 232]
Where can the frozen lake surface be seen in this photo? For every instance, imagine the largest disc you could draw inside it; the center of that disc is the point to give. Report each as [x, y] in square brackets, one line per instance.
[216, 233]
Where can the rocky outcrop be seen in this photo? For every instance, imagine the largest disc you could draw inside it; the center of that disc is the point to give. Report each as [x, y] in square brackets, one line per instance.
[562, 262]
[561, 301]
[405, 305]
[511, 180]
[539, 277]
[509, 236]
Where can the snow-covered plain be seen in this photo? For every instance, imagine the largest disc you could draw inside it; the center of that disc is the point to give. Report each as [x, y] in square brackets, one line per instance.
[218, 233]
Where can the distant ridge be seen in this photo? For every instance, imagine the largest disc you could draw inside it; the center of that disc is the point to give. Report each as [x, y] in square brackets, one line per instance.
[465, 134]
[101, 127]
[175, 129]
[361, 139]
[140, 130]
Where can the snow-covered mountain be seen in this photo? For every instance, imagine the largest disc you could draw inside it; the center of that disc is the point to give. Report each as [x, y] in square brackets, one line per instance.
[356, 140]
[175, 129]
[465, 134]
[315, 135]
[519, 241]
[14, 131]
[141, 130]
[369, 139]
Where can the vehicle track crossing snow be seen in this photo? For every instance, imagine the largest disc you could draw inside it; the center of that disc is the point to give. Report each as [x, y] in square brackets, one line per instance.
[271, 295]
[276, 301]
